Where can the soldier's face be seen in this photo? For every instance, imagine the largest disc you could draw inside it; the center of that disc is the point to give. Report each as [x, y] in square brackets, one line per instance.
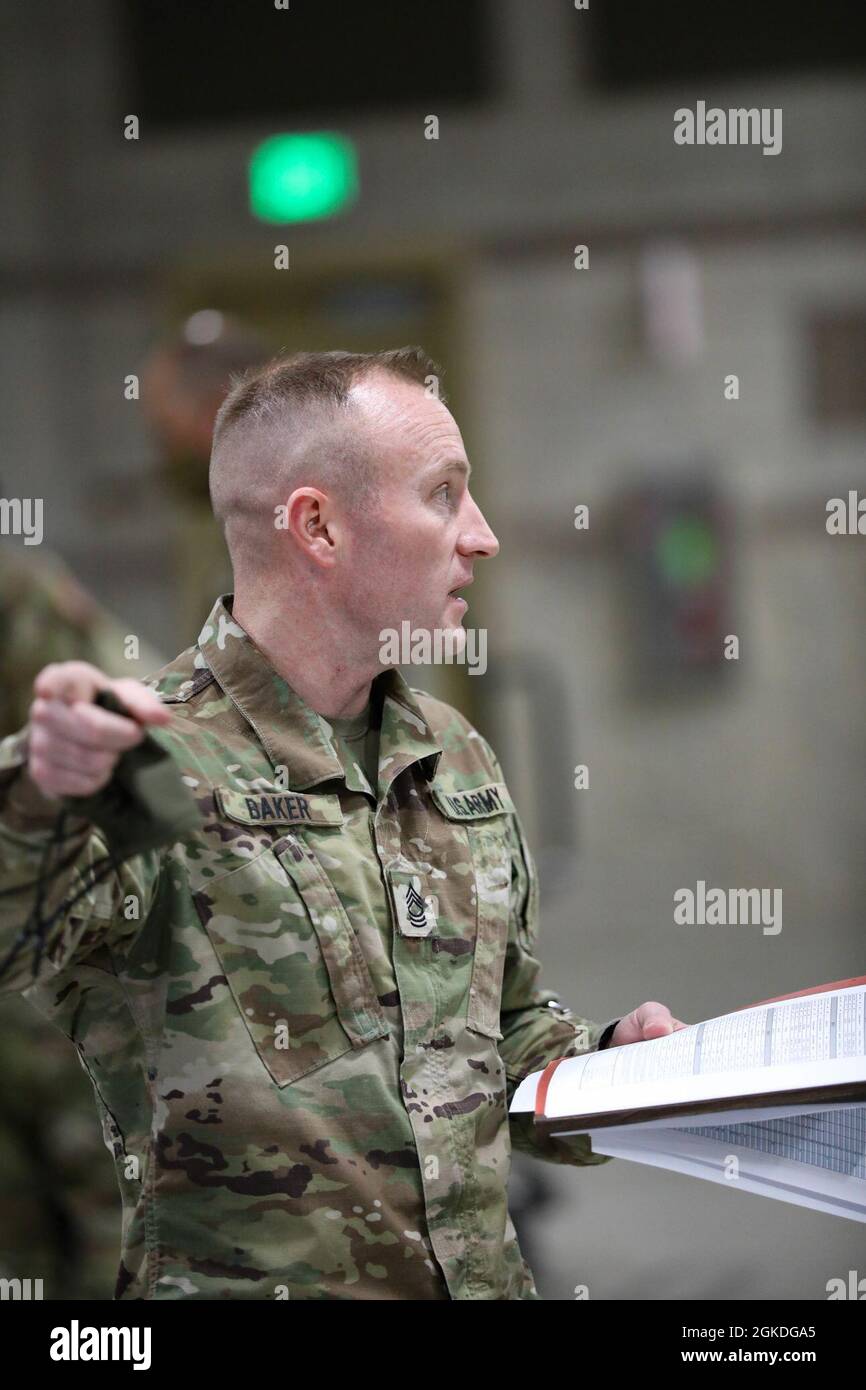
[426, 534]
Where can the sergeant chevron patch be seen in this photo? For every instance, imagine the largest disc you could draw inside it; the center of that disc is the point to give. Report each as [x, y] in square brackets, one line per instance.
[415, 913]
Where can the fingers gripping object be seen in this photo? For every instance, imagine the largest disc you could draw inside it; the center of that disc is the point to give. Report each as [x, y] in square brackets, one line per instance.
[145, 805]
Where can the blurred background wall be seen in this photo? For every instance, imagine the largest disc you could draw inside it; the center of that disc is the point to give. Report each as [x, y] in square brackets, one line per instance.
[602, 386]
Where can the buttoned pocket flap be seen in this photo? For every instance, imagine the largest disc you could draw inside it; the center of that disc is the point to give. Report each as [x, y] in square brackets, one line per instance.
[358, 1008]
[279, 969]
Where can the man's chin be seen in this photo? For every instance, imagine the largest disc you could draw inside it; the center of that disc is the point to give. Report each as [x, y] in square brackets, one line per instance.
[449, 621]
[455, 611]
[453, 632]
[448, 631]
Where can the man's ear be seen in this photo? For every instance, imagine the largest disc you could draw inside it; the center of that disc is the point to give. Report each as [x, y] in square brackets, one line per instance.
[309, 521]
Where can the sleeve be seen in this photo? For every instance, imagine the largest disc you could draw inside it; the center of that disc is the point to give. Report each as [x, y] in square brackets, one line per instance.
[39, 869]
[536, 1026]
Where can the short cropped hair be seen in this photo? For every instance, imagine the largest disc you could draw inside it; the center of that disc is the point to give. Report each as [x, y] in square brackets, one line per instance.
[288, 383]
[287, 423]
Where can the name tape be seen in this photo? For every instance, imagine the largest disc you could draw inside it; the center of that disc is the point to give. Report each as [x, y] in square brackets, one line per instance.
[475, 804]
[279, 808]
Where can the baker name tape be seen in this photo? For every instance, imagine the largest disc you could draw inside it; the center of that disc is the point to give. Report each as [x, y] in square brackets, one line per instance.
[279, 808]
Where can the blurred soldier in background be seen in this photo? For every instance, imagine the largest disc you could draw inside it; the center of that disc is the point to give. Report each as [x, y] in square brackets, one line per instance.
[58, 1204]
[47, 615]
[183, 383]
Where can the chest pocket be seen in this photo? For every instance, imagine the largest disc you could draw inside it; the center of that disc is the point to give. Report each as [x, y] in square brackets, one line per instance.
[292, 960]
[484, 814]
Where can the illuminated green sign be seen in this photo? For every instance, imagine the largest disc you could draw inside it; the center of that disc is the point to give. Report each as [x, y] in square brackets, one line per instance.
[298, 178]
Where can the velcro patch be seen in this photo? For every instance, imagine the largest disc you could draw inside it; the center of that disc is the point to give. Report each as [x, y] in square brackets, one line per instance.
[279, 808]
[417, 912]
[476, 803]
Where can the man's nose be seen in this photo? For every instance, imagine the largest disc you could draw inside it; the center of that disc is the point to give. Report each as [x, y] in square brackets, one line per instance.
[477, 537]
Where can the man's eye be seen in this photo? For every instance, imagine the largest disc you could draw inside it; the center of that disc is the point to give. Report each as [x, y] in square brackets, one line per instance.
[446, 487]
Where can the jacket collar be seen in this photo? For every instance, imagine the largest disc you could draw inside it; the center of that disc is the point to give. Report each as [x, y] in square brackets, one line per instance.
[292, 733]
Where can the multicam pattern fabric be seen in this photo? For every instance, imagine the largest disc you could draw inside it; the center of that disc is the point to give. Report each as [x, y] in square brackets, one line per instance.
[46, 615]
[59, 1191]
[304, 1023]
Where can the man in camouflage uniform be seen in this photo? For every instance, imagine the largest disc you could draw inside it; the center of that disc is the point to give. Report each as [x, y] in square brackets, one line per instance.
[307, 1017]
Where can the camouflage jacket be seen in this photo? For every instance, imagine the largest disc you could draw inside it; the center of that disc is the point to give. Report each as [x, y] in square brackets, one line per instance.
[303, 1023]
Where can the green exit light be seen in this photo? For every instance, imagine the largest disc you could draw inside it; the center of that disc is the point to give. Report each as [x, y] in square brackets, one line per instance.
[298, 178]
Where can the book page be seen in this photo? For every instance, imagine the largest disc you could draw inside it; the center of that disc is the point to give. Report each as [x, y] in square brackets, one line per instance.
[811, 1040]
[816, 1159]
[830, 1140]
[717, 1118]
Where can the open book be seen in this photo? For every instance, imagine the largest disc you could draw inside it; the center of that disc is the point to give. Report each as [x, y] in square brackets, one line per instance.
[770, 1099]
